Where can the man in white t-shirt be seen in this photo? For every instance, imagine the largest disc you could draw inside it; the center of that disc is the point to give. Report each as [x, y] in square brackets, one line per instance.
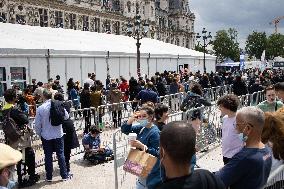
[231, 143]
[89, 80]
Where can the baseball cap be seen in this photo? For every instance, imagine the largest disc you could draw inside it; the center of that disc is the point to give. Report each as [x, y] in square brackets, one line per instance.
[8, 156]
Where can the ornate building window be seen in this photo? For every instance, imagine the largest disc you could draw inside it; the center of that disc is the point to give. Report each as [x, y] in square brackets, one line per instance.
[58, 19]
[152, 11]
[187, 43]
[3, 17]
[20, 19]
[97, 24]
[43, 17]
[85, 23]
[129, 6]
[117, 28]
[72, 20]
[137, 8]
[107, 26]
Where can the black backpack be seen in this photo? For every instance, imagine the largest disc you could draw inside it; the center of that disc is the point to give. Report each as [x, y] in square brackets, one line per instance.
[57, 113]
[10, 128]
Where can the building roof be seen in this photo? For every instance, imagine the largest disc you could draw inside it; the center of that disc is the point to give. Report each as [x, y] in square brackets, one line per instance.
[15, 36]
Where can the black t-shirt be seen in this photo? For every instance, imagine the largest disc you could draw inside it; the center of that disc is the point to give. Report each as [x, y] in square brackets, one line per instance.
[199, 179]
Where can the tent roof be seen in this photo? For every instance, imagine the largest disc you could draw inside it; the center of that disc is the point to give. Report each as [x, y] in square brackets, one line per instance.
[17, 36]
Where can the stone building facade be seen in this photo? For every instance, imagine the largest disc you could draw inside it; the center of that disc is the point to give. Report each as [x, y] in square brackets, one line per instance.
[170, 21]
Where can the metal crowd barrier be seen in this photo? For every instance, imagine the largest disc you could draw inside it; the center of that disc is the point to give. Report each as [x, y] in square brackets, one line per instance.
[209, 137]
[172, 100]
[276, 179]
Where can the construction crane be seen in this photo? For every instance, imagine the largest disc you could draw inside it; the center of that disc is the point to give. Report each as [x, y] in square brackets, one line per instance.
[276, 22]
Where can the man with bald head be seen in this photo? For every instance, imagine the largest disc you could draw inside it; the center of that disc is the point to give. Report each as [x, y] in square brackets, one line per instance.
[250, 167]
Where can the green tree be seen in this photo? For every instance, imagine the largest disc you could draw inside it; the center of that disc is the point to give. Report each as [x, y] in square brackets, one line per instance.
[275, 46]
[199, 48]
[226, 45]
[256, 44]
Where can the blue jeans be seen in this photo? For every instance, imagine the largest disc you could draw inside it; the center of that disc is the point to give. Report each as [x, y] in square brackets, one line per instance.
[57, 146]
[141, 183]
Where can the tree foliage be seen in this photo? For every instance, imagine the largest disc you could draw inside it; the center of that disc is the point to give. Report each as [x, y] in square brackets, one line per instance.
[200, 48]
[225, 45]
[256, 44]
[275, 46]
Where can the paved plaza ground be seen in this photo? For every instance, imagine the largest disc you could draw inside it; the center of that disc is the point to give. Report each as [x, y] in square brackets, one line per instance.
[102, 176]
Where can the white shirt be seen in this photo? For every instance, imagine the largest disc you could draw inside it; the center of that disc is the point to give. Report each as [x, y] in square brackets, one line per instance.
[231, 143]
[90, 81]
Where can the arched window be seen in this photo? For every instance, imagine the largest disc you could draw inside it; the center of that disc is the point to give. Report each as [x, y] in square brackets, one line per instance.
[187, 43]
[129, 6]
[137, 8]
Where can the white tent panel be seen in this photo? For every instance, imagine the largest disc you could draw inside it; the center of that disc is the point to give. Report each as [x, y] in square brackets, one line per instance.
[133, 67]
[114, 68]
[57, 67]
[16, 62]
[88, 65]
[36, 65]
[210, 66]
[124, 67]
[73, 68]
[197, 65]
[34, 37]
[143, 66]
[101, 69]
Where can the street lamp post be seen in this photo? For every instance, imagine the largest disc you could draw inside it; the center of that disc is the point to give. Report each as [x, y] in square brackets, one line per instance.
[137, 31]
[205, 37]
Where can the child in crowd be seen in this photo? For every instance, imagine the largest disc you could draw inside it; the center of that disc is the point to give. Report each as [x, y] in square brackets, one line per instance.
[231, 143]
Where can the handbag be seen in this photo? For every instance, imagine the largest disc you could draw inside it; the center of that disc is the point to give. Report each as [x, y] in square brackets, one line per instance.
[139, 163]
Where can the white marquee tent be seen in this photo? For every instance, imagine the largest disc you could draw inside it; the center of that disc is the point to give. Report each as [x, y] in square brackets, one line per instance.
[46, 52]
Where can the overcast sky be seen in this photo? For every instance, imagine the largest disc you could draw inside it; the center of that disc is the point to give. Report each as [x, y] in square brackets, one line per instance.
[244, 15]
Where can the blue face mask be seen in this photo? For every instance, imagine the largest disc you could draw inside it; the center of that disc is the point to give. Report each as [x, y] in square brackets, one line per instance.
[242, 137]
[11, 184]
[143, 122]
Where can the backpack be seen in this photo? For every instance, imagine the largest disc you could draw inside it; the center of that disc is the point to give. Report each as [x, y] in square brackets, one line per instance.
[10, 128]
[57, 113]
[193, 100]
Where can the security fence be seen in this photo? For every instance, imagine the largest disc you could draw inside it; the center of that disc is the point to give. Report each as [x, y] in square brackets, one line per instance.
[110, 116]
[276, 179]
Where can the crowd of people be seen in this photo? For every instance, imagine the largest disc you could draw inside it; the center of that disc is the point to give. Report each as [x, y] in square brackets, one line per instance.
[251, 136]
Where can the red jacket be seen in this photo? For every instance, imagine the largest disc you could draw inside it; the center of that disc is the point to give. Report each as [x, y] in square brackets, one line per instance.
[124, 87]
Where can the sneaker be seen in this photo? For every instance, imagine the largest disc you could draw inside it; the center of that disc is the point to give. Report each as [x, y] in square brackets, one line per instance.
[69, 177]
[34, 179]
[24, 183]
[70, 174]
[48, 180]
